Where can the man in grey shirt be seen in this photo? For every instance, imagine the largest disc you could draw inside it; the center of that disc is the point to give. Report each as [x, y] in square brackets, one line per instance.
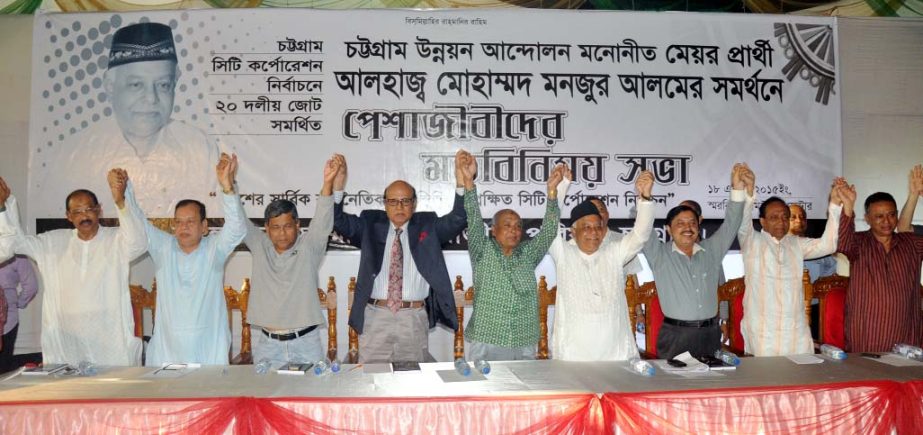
[283, 299]
[687, 270]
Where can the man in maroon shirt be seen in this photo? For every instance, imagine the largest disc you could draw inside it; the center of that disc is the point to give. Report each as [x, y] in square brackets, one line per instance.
[883, 299]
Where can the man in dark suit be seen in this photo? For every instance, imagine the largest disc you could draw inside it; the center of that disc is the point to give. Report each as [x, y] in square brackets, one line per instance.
[403, 288]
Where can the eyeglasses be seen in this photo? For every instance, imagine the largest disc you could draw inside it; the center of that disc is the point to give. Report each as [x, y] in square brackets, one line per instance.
[184, 223]
[403, 202]
[85, 210]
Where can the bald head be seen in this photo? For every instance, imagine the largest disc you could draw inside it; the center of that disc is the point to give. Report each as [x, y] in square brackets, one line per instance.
[400, 202]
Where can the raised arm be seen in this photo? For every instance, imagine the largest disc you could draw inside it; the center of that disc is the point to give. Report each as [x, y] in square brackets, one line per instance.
[536, 248]
[914, 191]
[846, 242]
[632, 243]
[477, 239]
[347, 224]
[322, 224]
[827, 243]
[235, 227]
[721, 240]
[131, 236]
[12, 239]
[745, 231]
[450, 225]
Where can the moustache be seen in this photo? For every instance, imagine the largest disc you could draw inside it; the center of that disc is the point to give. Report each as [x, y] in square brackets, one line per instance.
[86, 222]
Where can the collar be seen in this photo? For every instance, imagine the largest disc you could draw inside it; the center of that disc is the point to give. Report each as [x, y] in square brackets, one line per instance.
[695, 249]
[773, 239]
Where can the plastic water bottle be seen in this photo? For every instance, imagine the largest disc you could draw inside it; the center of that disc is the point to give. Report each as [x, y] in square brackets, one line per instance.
[727, 357]
[908, 350]
[86, 368]
[320, 367]
[641, 366]
[462, 367]
[832, 351]
[482, 366]
[262, 367]
[335, 366]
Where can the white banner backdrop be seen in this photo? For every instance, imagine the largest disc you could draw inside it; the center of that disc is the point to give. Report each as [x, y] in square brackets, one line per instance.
[398, 92]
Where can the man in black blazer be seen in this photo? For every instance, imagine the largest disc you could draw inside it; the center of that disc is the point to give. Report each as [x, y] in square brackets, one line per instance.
[403, 287]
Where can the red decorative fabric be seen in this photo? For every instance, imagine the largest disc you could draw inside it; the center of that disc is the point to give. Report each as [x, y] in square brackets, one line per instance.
[866, 407]
[655, 320]
[557, 414]
[737, 314]
[833, 321]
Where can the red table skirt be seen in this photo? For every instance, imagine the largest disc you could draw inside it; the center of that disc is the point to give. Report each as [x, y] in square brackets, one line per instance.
[855, 407]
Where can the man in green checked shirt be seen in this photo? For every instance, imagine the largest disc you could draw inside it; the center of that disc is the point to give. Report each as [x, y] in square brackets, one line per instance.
[504, 322]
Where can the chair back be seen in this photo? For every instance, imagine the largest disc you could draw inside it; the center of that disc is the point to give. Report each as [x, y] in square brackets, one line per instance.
[643, 302]
[545, 299]
[830, 291]
[328, 301]
[462, 298]
[141, 300]
[240, 301]
[732, 293]
[352, 356]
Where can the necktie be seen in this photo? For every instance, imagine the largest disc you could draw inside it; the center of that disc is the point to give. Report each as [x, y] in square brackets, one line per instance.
[396, 273]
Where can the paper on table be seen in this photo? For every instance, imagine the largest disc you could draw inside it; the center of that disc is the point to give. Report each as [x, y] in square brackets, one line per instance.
[173, 370]
[804, 359]
[896, 360]
[454, 376]
[692, 365]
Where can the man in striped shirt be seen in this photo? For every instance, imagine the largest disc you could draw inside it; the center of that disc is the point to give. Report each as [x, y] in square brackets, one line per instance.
[883, 299]
[774, 322]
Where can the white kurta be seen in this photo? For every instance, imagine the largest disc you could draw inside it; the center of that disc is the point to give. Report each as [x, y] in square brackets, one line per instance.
[180, 165]
[774, 323]
[192, 318]
[591, 320]
[86, 305]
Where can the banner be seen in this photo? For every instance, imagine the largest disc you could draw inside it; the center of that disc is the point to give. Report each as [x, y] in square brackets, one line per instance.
[398, 92]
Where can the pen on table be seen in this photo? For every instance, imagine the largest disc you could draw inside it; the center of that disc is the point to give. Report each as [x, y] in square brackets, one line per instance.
[358, 366]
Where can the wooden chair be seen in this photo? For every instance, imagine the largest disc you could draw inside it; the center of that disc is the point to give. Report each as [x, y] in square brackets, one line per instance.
[142, 299]
[328, 300]
[462, 298]
[643, 301]
[352, 356]
[830, 291]
[240, 301]
[808, 289]
[545, 299]
[732, 293]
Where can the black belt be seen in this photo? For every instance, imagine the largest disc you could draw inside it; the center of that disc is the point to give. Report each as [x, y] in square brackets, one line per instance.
[692, 323]
[290, 335]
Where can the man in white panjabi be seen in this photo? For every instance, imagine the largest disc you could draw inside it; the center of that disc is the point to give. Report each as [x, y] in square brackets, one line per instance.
[591, 312]
[86, 306]
[774, 323]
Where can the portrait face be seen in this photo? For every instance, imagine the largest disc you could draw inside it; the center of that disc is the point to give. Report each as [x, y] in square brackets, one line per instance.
[142, 96]
[684, 229]
[797, 222]
[399, 203]
[507, 230]
[603, 211]
[589, 233]
[775, 222]
[83, 214]
[282, 231]
[882, 218]
[189, 227]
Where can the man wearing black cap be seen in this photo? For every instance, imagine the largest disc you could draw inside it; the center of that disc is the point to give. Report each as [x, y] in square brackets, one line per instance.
[591, 313]
[168, 159]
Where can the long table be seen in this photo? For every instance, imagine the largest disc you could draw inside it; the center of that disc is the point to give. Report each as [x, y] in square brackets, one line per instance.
[764, 395]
